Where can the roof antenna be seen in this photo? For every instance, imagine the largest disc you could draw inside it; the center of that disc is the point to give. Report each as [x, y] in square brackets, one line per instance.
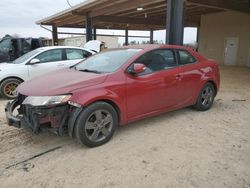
[69, 3]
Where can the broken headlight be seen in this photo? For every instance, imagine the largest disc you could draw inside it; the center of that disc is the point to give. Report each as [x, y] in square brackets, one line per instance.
[46, 100]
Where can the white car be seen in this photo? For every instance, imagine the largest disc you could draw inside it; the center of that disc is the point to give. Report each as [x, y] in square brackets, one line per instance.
[37, 63]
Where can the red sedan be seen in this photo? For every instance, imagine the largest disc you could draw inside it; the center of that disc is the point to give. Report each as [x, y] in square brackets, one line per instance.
[91, 99]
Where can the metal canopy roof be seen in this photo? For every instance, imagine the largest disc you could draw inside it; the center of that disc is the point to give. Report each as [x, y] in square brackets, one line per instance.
[123, 14]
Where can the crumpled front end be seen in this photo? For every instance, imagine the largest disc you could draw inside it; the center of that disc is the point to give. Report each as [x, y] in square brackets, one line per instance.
[36, 118]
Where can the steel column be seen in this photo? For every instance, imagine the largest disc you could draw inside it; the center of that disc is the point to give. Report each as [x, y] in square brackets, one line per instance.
[126, 37]
[175, 22]
[88, 25]
[151, 36]
[54, 36]
[95, 33]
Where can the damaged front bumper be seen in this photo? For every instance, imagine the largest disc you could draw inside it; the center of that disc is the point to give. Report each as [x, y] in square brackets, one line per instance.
[57, 119]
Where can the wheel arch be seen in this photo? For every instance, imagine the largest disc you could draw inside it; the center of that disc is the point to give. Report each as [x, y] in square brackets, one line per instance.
[73, 118]
[214, 84]
[113, 104]
[11, 77]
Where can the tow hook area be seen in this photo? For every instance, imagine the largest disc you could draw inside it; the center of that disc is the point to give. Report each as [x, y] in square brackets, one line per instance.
[57, 119]
[35, 119]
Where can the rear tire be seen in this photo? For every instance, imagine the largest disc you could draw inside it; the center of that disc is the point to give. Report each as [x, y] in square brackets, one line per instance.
[96, 124]
[206, 98]
[8, 88]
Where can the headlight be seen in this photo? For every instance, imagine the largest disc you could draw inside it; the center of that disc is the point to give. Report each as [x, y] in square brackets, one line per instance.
[46, 100]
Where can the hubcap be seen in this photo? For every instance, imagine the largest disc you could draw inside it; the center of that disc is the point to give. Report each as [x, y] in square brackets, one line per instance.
[10, 89]
[207, 96]
[99, 125]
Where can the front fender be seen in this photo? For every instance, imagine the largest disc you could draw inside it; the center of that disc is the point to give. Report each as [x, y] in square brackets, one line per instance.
[87, 97]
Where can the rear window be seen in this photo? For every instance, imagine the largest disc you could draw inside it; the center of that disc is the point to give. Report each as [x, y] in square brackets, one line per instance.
[185, 57]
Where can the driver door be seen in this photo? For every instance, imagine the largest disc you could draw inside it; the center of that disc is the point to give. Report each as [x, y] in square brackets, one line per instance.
[156, 89]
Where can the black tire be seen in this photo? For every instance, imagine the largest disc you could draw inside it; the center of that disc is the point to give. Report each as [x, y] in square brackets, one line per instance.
[88, 125]
[8, 87]
[206, 98]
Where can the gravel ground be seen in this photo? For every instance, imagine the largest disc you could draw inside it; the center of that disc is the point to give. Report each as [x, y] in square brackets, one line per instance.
[184, 148]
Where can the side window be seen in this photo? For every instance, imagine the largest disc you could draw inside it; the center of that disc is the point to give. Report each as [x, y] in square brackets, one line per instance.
[26, 47]
[50, 56]
[158, 60]
[86, 54]
[74, 54]
[185, 57]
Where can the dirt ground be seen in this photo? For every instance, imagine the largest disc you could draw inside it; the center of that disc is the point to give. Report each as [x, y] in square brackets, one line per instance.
[180, 149]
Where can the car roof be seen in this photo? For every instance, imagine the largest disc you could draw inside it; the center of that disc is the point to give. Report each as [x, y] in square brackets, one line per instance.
[153, 46]
[61, 47]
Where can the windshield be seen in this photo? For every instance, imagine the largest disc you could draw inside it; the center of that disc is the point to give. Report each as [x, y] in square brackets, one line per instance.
[25, 57]
[106, 62]
[5, 45]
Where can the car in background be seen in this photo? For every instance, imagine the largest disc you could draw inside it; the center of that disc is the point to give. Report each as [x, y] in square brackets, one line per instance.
[36, 63]
[13, 47]
[91, 99]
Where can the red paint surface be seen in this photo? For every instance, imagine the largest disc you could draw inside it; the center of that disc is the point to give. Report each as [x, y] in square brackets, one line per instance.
[136, 97]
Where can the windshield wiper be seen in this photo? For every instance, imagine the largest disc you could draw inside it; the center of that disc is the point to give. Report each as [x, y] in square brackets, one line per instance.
[88, 70]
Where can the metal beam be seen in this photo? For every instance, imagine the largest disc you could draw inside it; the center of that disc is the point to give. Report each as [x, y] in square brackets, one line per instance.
[130, 20]
[105, 35]
[175, 22]
[114, 8]
[54, 36]
[224, 5]
[153, 21]
[88, 25]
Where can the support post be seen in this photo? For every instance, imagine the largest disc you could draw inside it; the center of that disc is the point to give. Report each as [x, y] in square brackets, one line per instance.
[54, 36]
[126, 37]
[88, 25]
[151, 36]
[175, 22]
[95, 33]
[198, 38]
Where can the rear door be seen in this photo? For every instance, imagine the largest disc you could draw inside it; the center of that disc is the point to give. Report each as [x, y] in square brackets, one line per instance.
[190, 76]
[50, 60]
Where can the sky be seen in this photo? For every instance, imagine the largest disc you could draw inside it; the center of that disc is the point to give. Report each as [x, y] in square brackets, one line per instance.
[19, 17]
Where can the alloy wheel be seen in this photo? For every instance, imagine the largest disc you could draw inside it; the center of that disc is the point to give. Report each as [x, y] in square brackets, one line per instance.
[99, 125]
[207, 96]
[10, 88]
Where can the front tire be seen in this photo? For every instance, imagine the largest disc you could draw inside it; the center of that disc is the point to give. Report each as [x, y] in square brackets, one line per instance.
[96, 124]
[206, 98]
[8, 88]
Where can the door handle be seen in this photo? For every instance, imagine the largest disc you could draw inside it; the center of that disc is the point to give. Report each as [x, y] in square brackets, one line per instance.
[178, 77]
[60, 65]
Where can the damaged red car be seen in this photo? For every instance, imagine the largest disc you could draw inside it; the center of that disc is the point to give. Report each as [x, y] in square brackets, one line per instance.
[91, 99]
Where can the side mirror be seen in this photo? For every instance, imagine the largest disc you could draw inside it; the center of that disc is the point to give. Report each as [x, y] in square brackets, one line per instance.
[137, 68]
[34, 61]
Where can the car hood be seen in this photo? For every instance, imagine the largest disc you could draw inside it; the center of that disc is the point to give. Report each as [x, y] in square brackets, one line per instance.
[60, 82]
[5, 65]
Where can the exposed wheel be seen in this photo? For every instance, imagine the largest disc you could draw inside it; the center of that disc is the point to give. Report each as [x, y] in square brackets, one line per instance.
[8, 88]
[206, 98]
[96, 124]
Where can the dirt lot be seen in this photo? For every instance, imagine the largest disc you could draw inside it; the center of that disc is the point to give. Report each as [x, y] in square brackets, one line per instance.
[184, 148]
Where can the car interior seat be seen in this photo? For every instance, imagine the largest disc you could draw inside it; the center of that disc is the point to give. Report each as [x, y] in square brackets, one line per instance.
[157, 63]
